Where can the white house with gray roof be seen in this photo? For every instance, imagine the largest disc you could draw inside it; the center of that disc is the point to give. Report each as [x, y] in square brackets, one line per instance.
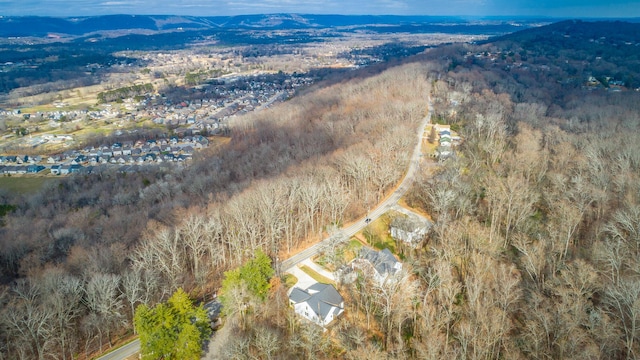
[319, 303]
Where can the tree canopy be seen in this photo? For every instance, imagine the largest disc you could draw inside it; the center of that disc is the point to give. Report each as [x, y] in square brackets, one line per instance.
[245, 287]
[172, 330]
[255, 275]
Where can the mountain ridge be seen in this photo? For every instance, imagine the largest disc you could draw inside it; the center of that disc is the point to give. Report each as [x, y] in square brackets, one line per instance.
[77, 26]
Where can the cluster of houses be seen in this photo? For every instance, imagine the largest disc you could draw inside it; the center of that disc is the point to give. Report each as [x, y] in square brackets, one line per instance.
[10, 112]
[58, 115]
[20, 169]
[231, 95]
[322, 303]
[446, 142]
[606, 82]
[127, 153]
[22, 164]
[234, 95]
[149, 151]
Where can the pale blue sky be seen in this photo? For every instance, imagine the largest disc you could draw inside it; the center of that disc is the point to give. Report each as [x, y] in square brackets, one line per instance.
[554, 8]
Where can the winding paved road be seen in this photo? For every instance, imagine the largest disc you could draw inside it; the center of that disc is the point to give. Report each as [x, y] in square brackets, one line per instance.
[389, 203]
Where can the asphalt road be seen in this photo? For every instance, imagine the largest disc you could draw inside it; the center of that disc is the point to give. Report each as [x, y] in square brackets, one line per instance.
[383, 207]
[278, 95]
[133, 347]
[123, 352]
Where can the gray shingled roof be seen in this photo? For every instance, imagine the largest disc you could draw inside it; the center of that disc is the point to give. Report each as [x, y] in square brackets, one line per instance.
[383, 260]
[326, 293]
[320, 297]
[298, 295]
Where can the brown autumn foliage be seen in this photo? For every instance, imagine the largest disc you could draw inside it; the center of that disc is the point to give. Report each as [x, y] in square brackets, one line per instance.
[536, 223]
[125, 239]
[534, 252]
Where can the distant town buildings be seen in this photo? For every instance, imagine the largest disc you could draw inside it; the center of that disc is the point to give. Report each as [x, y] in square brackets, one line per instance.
[153, 151]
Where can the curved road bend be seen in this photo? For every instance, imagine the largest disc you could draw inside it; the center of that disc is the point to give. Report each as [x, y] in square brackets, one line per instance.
[133, 347]
[382, 208]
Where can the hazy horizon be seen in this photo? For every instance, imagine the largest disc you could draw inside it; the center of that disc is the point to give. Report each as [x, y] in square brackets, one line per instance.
[463, 8]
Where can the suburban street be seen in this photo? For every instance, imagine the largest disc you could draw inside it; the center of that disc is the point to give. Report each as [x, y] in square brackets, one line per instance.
[382, 208]
[278, 95]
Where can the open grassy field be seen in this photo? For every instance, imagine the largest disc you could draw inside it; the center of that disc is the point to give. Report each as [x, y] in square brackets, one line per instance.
[24, 184]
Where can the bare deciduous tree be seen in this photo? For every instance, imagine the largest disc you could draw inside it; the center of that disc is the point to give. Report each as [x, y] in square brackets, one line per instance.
[162, 253]
[625, 226]
[64, 300]
[623, 300]
[102, 297]
[30, 323]
[266, 342]
[193, 234]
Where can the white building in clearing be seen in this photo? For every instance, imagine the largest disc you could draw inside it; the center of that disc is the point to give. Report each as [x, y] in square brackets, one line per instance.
[320, 303]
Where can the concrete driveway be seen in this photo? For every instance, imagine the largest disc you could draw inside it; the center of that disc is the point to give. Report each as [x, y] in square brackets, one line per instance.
[304, 280]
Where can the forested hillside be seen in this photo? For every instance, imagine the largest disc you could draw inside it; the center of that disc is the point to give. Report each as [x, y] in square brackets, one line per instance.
[80, 255]
[534, 253]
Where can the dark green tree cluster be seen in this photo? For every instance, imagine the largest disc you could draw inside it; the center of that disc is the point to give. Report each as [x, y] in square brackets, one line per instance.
[124, 92]
[201, 77]
[255, 275]
[243, 288]
[172, 330]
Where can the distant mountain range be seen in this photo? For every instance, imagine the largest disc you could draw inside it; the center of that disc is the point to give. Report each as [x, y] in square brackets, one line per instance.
[604, 40]
[611, 31]
[77, 26]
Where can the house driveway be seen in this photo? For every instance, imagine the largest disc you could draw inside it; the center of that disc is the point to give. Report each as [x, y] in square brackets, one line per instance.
[409, 212]
[304, 280]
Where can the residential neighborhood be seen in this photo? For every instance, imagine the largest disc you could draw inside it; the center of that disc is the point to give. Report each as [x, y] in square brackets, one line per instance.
[446, 142]
[205, 109]
[316, 295]
[124, 155]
